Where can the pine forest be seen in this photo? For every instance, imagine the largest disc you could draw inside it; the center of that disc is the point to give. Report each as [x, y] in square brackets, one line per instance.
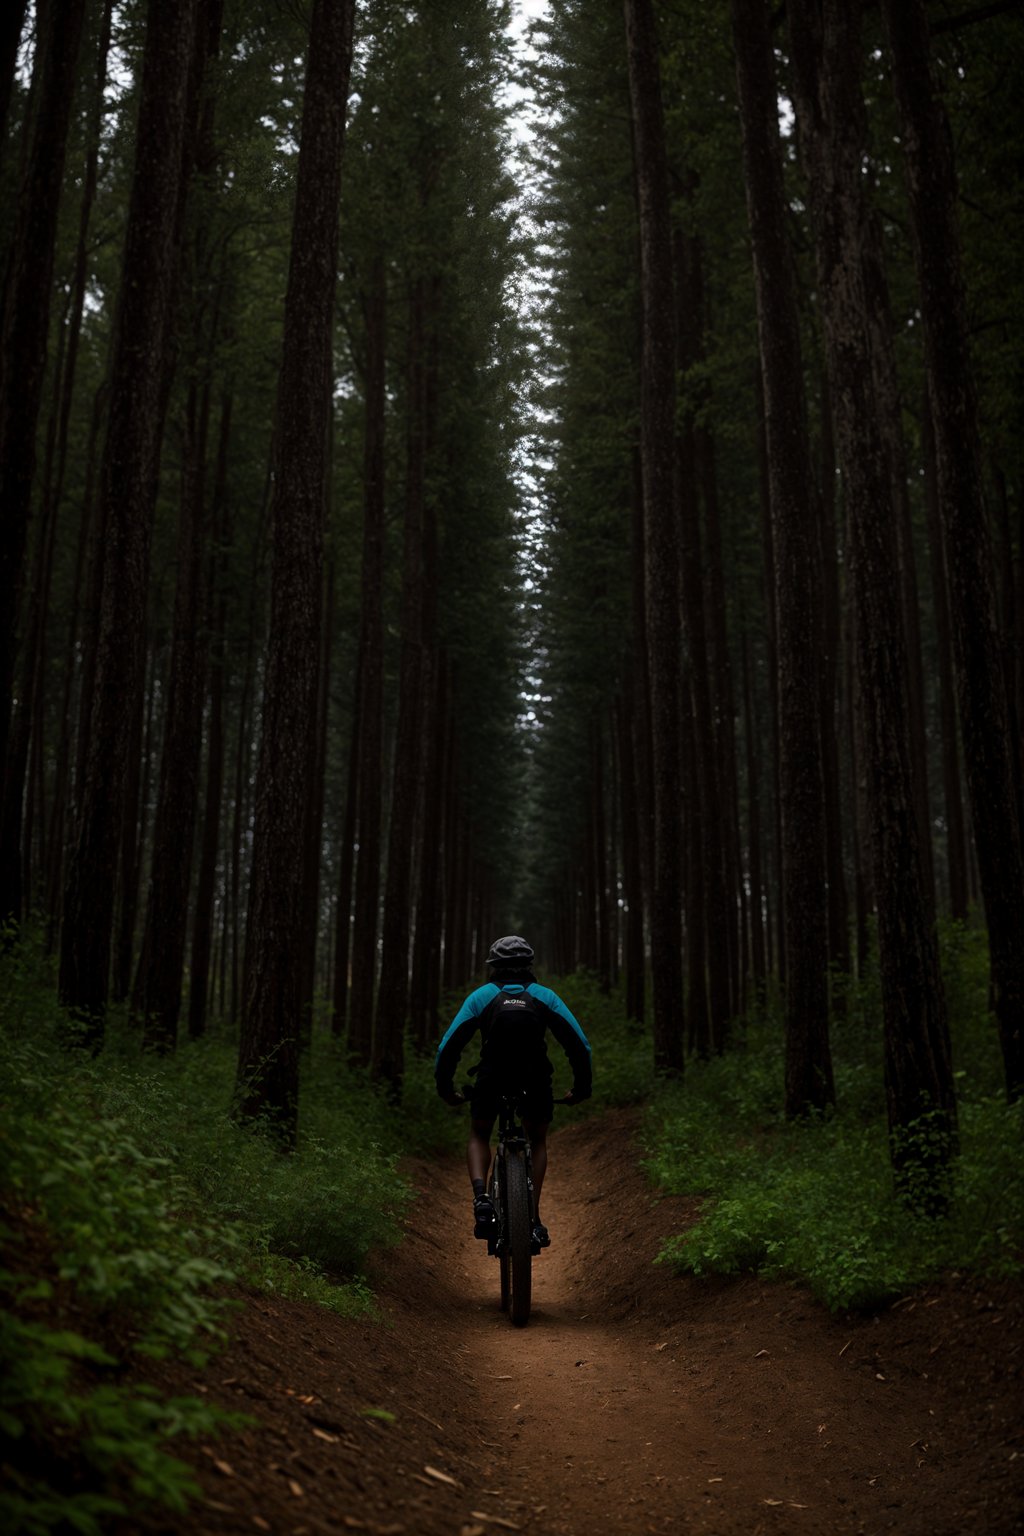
[482, 467]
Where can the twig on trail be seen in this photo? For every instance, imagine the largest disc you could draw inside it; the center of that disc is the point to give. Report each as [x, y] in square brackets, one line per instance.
[441, 1477]
[425, 1417]
[845, 1347]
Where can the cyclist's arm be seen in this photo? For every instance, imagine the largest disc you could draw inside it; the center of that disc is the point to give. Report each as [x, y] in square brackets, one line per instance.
[457, 1036]
[566, 1030]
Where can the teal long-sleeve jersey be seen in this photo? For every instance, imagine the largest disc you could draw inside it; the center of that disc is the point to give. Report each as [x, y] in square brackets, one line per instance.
[553, 1015]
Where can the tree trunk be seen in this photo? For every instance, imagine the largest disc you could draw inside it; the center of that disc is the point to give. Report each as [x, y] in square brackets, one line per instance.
[711, 969]
[956, 832]
[825, 43]
[24, 333]
[657, 412]
[809, 1082]
[371, 690]
[990, 769]
[157, 994]
[632, 878]
[346, 864]
[406, 791]
[138, 397]
[832, 650]
[758, 954]
[202, 924]
[268, 1057]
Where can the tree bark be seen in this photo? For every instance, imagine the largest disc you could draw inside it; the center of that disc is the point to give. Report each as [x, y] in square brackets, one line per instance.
[24, 333]
[956, 832]
[371, 690]
[661, 570]
[157, 993]
[268, 1058]
[202, 923]
[138, 398]
[809, 1083]
[825, 47]
[712, 930]
[406, 790]
[931, 181]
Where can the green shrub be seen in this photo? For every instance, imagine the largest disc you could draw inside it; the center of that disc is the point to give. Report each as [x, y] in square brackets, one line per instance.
[814, 1201]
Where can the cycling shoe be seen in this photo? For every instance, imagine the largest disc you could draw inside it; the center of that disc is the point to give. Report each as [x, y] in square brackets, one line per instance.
[483, 1216]
[540, 1236]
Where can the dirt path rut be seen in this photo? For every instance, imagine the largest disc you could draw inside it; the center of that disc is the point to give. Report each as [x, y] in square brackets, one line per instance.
[635, 1401]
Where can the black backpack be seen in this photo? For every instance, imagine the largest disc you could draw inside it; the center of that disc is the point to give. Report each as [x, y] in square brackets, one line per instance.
[512, 1033]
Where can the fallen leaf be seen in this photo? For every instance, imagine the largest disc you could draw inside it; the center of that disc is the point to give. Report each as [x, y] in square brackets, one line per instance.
[773, 1501]
[442, 1477]
[296, 1488]
[384, 1414]
[716, 1479]
[501, 1378]
[760, 1353]
[224, 1466]
[260, 1524]
[879, 1376]
[306, 1399]
[662, 1346]
[224, 1509]
[322, 1434]
[796, 1506]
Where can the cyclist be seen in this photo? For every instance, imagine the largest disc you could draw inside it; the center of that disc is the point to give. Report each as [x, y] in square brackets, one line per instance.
[512, 1013]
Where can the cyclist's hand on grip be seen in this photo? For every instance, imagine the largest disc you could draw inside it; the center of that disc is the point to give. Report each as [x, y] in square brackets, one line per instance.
[574, 1097]
[454, 1097]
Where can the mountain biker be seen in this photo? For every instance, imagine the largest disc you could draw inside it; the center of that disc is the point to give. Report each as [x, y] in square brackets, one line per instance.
[512, 1013]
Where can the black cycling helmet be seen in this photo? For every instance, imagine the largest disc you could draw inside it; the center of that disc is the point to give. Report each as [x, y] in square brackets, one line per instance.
[511, 953]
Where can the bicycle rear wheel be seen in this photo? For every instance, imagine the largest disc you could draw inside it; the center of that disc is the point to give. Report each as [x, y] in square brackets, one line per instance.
[518, 1238]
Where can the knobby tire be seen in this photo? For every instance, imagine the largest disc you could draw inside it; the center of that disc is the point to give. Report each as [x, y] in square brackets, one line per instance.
[501, 1206]
[518, 1238]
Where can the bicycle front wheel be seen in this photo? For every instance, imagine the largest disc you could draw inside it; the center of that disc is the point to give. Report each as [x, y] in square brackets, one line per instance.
[518, 1238]
[501, 1206]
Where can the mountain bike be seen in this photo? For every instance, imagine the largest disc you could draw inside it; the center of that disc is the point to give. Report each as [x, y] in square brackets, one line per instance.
[514, 1212]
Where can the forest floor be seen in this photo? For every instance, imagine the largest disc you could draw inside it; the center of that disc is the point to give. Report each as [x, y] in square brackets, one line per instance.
[635, 1401]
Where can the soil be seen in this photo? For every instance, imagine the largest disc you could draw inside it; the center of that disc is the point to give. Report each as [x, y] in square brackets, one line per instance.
[635, 1401]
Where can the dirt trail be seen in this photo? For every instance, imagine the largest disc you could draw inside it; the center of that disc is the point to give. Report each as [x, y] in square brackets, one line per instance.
[633, 1402]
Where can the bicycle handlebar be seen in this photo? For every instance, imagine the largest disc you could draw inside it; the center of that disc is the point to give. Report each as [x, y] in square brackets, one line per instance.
[465, 1093]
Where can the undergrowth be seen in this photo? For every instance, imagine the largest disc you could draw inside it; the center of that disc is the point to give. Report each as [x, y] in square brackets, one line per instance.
[814, 1201]
[129, 1199]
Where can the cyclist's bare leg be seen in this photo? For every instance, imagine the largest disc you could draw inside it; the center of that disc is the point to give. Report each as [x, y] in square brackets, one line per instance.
[478, 1153]
[537, 1130]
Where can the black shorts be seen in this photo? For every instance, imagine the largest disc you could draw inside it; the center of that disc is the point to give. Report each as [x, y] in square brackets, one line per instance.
[538, 1100]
